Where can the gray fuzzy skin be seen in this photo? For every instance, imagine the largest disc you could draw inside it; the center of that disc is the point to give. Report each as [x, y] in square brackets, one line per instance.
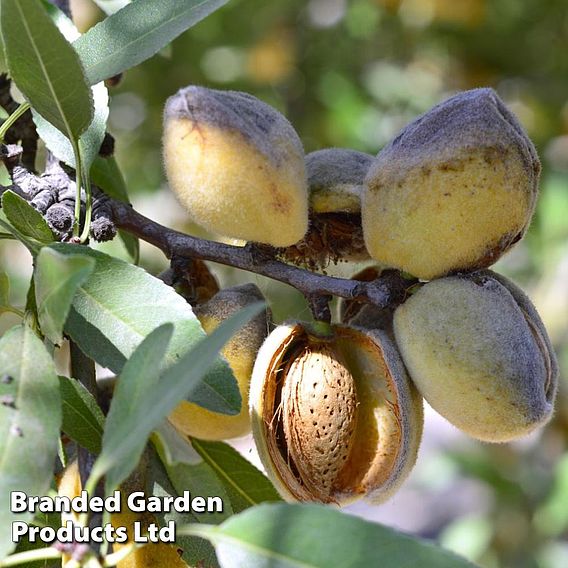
[525, 353]
[227, 302]
[533, 318]
[411, 408]
[259, 123]
[449, 131]
[479, 353]
[337, 166]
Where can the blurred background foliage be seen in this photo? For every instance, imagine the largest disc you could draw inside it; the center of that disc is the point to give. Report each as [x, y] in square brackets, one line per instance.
[351, 73]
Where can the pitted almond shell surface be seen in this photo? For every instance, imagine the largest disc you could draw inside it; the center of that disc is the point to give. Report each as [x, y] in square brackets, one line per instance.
[334, 419]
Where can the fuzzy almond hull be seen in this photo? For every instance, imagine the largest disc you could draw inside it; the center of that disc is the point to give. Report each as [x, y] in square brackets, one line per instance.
[478, 355]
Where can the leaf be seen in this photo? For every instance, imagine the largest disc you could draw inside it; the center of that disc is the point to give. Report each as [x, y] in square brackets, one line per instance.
[31, 307]
[138, 409]
[45, 67]
[127, 427]
[120, 304]
[283, 536]
[106, 174]
[3, 64]
[201, 480]
[137, 32]
[25, 219]
[64, 24]
[83, 420]
[245, 484]
[196, 551]
[57, 277]
[91, 139]
[32, 245]
[173, 448]
[30, 419]
[131, 244]
[191, 475]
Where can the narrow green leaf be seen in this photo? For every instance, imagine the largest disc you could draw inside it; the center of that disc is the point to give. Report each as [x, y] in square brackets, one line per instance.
[25, 219]
[106, 175]
[311, 536]
[91, 139]
[131, 244]
[31, 307]
[127, 427]
[30, 419]
[3, 64]
[57, 277]
[190, 475]
[173, 448]
[245, 484]
[200, 480]
[32, 245]
[52, 520]
[45, 66]
[120, 304]
[137, 410]
[137, 32]
[196, 551]
[83, 420]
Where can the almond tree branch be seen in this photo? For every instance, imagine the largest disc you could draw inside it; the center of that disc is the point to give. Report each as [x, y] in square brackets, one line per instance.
[382, 292]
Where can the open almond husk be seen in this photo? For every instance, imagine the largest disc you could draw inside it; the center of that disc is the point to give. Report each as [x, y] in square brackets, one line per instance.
[334, 415]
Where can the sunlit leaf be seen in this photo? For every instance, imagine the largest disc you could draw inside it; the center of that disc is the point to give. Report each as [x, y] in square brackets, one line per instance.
[57, 278]
[30, 419]
[137, 32]
[245, 484]
[25, 219]
[120, 304]
[91, 139]
[311, 536]
[45, 66]
[127, 426]
[143, 399]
